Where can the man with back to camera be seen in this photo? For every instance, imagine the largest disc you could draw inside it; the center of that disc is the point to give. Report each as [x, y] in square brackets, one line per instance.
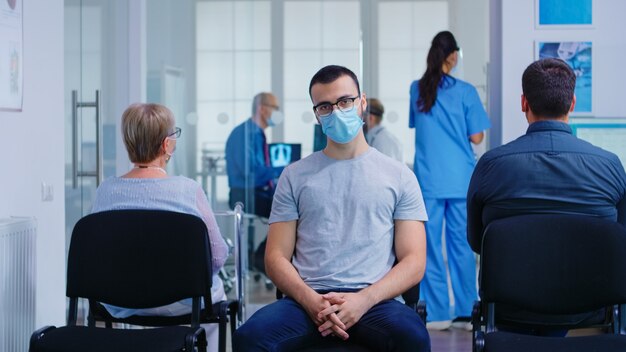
[250, 175]
[340, 219]
[547, 170]
[377, 135]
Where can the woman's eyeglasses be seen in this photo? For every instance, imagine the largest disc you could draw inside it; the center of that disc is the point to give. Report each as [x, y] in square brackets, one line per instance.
[176, 133]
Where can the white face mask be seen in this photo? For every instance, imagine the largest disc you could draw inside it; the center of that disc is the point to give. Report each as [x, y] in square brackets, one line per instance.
[276, 118]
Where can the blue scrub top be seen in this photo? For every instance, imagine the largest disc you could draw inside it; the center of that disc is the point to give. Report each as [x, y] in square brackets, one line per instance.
[444, 159]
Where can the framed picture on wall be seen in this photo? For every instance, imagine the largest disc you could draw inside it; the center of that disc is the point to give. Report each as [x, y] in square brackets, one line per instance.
[578, 55]
[11, 72]
[559, 14]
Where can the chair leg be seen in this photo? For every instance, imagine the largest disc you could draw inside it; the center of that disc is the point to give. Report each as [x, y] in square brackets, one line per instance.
[233, 308]
[618, 319]
[222, 335]
[421, 311]
[477, 336]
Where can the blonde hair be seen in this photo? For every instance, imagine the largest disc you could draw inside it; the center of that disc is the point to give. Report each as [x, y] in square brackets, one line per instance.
[144, 127]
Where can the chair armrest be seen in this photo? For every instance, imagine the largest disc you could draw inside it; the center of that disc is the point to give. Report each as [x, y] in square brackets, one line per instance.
[196, 339]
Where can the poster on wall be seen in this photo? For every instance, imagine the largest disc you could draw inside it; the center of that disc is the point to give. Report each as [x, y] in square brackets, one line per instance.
[578, 57]
[563, 13]
[11, 72]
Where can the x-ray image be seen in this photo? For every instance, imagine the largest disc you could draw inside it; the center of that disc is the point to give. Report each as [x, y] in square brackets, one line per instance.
[280, 154]
[283, 154]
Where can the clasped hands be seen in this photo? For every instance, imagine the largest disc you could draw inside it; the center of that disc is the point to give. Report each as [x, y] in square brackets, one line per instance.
[340, 311]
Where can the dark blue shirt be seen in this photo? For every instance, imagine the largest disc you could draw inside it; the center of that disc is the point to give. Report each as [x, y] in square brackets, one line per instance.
[246, 165]
[547, 170]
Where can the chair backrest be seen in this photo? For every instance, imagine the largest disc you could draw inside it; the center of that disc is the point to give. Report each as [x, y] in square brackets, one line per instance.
[554, 264]
[139, 258]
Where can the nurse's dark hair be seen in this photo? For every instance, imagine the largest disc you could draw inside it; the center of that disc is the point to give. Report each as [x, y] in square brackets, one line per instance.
[331, 73]
[441, 47]
[548, 86]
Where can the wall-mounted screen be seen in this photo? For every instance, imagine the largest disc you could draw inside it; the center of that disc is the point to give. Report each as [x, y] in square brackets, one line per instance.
[319, 138]
[606, 133]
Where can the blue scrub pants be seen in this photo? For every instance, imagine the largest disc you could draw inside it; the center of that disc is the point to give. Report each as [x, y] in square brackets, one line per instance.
[461, 261]
[285, 326]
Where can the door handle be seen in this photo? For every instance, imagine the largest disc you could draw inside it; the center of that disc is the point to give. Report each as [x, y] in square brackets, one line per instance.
[97, 173]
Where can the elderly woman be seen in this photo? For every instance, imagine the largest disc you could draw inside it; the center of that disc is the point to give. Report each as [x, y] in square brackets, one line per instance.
[150, 138]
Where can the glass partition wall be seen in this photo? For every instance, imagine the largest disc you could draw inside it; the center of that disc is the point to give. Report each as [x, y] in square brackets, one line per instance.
[207, 59]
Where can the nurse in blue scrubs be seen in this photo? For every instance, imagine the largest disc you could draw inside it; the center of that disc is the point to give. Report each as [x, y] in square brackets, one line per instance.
[447, 115]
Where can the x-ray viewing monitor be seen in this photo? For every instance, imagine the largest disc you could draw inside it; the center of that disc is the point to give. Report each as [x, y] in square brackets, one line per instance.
[319, 138]
[606, 133]
[283, 154]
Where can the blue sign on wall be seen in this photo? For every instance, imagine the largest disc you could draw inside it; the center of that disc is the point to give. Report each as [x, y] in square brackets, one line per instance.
[564, 12]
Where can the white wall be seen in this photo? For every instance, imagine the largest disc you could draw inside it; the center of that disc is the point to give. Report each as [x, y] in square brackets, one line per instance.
[32, 147]
[469, 22]
[609, 48]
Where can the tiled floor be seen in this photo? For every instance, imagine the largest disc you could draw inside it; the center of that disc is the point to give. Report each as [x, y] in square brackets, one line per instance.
[452, 340]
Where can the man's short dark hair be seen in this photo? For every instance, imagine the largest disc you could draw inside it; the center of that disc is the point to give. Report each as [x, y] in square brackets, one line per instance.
[548, 86]
[375, 107]
[331, 73]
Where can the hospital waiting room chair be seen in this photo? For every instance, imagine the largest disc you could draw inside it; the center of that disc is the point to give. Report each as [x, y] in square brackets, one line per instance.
[551, 265]
[171, 226]
[136, 259]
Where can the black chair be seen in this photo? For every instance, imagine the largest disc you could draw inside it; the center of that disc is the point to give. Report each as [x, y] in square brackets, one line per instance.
[411, 299]
[550, 265]
[135, 259]
[171, 226]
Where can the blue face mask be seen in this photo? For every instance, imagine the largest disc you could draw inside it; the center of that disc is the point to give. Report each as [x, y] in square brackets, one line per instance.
[341, 126]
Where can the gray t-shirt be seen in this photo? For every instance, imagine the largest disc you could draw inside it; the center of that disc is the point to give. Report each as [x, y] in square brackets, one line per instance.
[380, 138]
[346, 211]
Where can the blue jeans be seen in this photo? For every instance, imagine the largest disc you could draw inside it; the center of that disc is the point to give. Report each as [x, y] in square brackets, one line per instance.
[285, 326]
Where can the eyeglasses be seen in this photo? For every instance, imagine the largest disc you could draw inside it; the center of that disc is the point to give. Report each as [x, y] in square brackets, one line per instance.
[344, 104]
[275, 107]
[176, 133]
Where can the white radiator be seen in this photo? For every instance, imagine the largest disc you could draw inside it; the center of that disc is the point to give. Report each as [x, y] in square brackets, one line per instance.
[17, 283]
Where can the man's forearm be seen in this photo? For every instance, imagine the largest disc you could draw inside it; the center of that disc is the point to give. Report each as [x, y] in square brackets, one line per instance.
[404, 275]
[287, 280]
